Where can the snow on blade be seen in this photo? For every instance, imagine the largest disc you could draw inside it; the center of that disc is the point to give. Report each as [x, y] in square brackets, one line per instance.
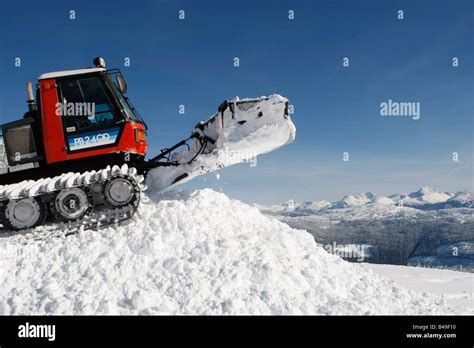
[193, 253]
[243, 130]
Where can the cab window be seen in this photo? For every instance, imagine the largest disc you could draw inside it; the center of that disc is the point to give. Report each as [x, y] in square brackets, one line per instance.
[84, 106]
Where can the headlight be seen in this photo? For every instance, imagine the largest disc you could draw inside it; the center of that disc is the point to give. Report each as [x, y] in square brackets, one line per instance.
[140, 136]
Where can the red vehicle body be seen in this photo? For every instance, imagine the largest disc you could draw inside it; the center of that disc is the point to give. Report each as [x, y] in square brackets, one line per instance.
[47, 142]
[55, 148]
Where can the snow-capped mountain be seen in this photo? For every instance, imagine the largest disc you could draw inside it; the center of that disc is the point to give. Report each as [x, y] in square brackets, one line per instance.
[399, 229]
[459, 200]
[369, 205]
[354, 200]
[425, 195]
[194, 253]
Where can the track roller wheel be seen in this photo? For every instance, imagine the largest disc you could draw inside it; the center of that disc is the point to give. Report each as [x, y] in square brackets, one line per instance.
[71, 204]
[23, 214]
[121, 191]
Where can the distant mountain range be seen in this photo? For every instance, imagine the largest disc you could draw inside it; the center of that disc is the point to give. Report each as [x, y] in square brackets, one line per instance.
[425, 199]
[414, 228]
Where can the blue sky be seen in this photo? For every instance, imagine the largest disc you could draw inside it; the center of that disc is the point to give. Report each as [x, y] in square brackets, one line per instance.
[337, 109]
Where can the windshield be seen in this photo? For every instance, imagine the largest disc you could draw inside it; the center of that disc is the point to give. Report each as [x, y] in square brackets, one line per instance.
[85, 105]
[124, 102]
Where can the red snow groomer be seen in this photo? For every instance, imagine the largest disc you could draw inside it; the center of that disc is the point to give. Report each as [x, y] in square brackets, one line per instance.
[78, 154]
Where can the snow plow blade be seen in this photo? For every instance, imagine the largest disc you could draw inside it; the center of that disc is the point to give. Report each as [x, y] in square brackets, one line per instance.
[241, 130]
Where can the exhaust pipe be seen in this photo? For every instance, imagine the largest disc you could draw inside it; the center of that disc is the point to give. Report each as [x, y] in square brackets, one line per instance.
[31, 100]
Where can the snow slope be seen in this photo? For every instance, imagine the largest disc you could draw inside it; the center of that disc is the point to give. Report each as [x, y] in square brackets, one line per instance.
[193, 253]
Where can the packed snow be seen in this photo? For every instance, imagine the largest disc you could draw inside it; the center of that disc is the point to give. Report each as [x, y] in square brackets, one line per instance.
[195, 252]
[457, 287]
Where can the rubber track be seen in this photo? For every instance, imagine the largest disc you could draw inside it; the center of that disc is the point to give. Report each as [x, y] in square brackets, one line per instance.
[32, 188]
[100, 217]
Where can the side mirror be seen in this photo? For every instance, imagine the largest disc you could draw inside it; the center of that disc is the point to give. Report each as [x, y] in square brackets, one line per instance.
[122, 85]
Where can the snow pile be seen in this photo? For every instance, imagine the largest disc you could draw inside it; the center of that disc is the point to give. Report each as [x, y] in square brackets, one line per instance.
[242, 131]
[192, 253]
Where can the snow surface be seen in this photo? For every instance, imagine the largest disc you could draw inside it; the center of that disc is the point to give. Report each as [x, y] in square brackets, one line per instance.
[193, 252]
[457, 287]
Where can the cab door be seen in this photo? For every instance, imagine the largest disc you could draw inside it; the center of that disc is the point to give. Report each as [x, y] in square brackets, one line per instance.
[89, 116]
